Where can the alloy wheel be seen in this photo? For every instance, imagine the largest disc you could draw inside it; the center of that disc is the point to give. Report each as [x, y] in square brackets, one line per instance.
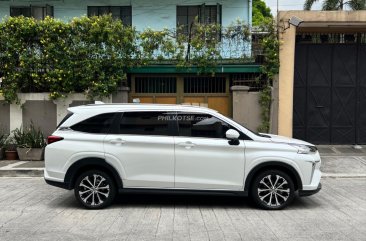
[94, 190]
[273, 190]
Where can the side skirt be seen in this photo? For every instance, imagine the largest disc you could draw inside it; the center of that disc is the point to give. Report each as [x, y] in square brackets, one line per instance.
[182, 192]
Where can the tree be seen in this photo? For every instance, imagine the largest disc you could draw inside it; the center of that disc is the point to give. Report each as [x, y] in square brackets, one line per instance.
[337, 4]
[261, 13]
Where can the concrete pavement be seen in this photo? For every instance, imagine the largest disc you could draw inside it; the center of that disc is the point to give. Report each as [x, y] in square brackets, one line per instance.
[32, 210]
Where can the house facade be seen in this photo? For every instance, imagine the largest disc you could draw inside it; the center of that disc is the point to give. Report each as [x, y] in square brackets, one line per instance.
[180, 88]
[163, 83]
[140, 13]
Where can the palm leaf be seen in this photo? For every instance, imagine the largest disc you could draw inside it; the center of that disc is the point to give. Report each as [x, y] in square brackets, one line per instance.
[356, 4]
[308, 4]
[332, 5]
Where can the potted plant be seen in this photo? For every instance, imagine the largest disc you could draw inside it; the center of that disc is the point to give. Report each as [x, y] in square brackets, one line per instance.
[10, 149]
[30, 143]
[3, 137]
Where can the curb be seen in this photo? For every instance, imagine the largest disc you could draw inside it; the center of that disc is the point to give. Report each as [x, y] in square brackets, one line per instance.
[22, 172]
[342, 175]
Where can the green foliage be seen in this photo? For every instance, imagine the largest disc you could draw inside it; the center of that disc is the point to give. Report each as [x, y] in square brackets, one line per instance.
[91, 55]
[203, 49]
[3, 137]
[265, 100]
[159, 45]
[260, 13]
[337, 4]
[29, 137]
[86, 55]
[270, 68]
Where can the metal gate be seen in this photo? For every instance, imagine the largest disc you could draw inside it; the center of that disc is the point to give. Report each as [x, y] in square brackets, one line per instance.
[207, 91]
[330, 92]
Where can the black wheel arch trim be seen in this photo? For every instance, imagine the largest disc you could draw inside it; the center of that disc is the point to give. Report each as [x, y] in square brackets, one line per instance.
[273, 164]
[92, 162]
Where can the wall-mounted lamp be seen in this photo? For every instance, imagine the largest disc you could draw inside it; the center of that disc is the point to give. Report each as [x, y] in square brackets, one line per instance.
[294, 21]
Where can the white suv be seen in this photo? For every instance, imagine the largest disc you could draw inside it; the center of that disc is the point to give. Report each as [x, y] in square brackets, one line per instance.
[99, 150]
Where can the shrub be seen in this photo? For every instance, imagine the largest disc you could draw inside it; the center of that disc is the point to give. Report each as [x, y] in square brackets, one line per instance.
[30, 137]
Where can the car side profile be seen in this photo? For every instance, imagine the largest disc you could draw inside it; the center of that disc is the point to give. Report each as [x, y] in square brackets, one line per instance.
[100, 150]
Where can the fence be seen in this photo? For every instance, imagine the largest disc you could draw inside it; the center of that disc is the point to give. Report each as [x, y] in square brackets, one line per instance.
[39, 109]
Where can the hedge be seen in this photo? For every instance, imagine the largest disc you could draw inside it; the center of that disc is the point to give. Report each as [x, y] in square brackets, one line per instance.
[91, 55]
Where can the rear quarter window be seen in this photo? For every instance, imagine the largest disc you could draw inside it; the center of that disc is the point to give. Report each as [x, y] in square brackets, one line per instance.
[99, 124]
[65, 119]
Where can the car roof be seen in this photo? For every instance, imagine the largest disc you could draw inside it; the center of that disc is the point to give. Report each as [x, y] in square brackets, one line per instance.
[138, 107]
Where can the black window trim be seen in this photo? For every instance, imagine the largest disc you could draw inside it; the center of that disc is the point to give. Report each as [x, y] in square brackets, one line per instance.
[173, 126]
[201, 8]
[109, 11]
[29, 7]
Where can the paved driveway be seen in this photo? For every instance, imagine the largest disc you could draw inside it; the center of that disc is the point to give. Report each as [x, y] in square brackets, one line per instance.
[32, 210]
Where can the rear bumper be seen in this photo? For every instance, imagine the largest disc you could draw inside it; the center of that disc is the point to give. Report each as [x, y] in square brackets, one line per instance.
[304, 193]
[58, 184]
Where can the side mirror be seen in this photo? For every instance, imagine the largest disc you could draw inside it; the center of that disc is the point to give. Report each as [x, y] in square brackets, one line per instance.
[232, 134]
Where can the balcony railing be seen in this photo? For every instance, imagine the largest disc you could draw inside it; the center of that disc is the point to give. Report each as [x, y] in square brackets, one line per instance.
[229, 49]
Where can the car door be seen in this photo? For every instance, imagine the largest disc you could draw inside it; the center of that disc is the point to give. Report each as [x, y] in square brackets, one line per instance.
[144, 146]
[204, 158]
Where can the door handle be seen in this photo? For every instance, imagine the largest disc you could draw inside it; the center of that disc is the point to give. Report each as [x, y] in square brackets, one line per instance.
[187, 144]
[319, 106]
[117, 141]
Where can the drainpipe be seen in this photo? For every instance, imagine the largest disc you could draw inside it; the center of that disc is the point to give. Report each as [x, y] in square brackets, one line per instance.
[250, 25]
[250, 13]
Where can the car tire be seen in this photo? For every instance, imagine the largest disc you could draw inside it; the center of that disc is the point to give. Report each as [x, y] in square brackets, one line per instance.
[95, 189]
[272, 190]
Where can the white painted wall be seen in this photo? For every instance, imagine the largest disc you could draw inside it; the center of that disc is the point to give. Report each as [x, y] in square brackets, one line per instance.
[16, 111]
[156, 14]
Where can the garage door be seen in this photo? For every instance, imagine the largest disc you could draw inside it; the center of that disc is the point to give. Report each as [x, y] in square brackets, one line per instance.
[330, 93]
[212, 92]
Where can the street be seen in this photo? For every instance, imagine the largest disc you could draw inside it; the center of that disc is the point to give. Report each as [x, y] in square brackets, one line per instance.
[32, 210]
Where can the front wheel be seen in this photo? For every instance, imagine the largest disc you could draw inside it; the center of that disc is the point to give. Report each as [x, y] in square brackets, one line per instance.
[95, 189]
[272, 189]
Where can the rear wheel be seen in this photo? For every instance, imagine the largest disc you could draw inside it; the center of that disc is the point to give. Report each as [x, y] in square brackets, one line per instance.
[273, 189]
[95, 189]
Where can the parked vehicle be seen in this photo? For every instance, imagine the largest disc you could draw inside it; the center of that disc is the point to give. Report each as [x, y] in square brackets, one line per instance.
[100, 150]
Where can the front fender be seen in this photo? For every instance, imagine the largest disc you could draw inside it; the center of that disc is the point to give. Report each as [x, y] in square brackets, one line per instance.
[263, 162]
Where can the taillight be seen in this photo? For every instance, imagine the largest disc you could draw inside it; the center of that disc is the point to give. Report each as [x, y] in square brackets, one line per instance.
[52, 139]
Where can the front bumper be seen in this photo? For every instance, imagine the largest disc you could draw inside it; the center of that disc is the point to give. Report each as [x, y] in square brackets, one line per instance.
[304, 193]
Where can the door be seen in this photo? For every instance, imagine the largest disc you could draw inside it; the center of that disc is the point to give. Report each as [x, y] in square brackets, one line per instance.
[329, 93]
[204, 158]
[361, 96]
[312, 93]
[144, 145]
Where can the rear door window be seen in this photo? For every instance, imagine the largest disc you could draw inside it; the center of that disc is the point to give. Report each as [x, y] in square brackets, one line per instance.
[146, 123]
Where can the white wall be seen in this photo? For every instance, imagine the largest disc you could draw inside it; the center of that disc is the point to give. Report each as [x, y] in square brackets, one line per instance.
[156, 14]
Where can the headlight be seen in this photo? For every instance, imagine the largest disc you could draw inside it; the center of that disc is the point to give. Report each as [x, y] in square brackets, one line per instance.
[304, 149]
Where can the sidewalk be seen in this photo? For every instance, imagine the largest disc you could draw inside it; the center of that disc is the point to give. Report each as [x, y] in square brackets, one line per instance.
[343, 161]
[21, 168]
[337, 161]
